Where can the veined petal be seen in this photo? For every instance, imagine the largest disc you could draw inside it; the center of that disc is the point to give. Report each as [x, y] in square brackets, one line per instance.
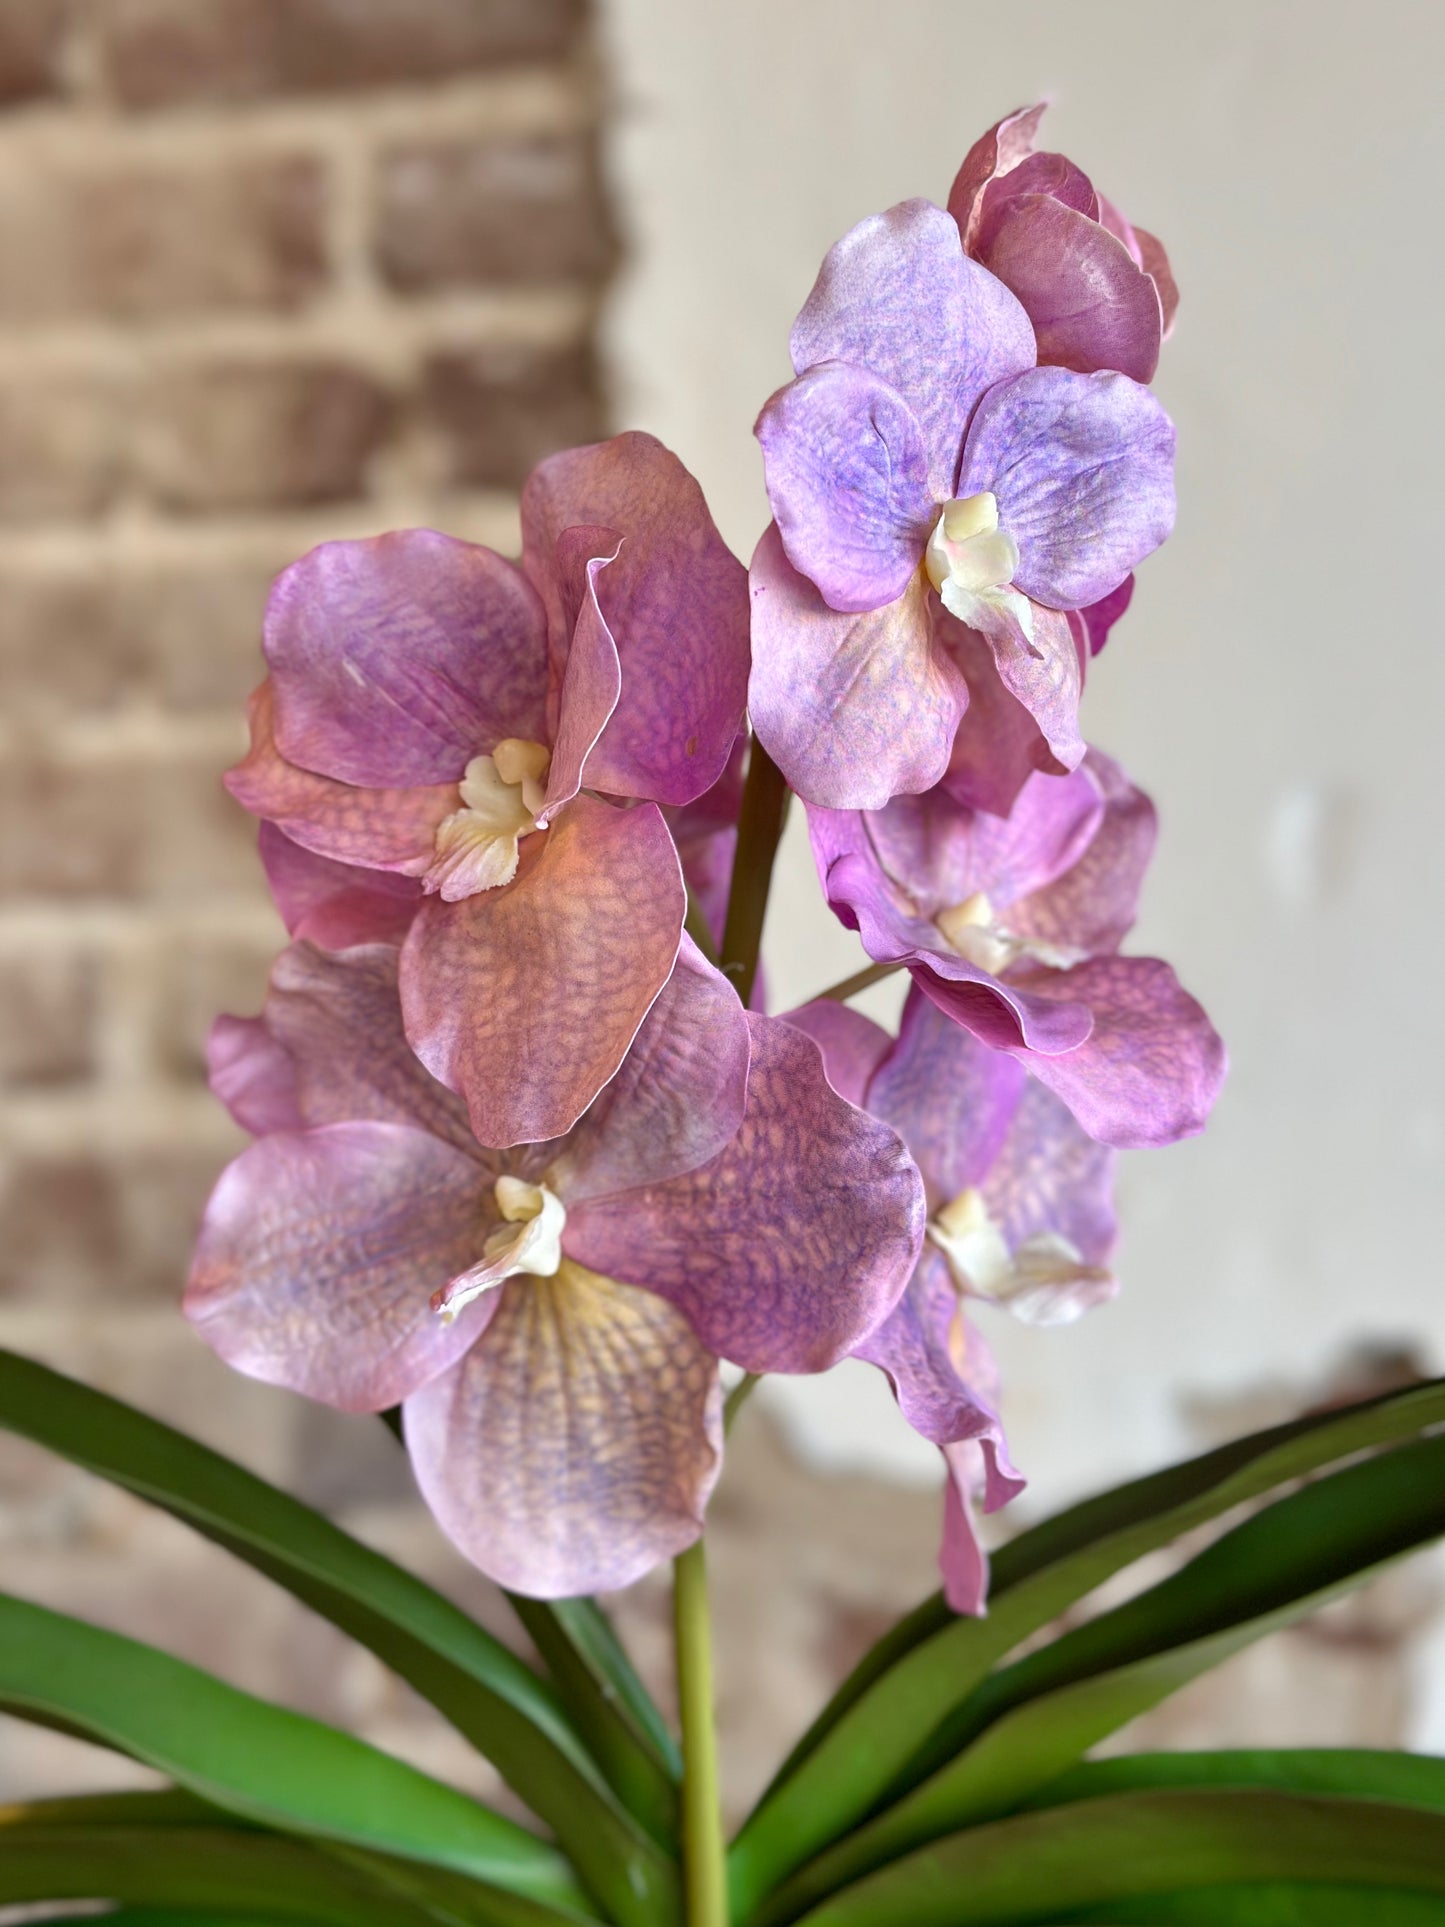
[790, 1245]
[380, 829]
[1151, 1068]
[898, 296]
[1083, 468]
[335, 904]
[252, 1075]
[526, 999]
[397, 659]
[847, 476]
[591, 675]
[1050, 1178]
[1092, 902]
[854, 709]
[319, 1252]
[853, 1046]
[1044, 675]
[575, 1447]
[679, 1096]
[999, 744]
[927, 1355]
[1092, 306]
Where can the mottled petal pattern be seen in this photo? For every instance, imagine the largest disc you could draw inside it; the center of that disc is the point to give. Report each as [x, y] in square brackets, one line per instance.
[854, 709]
[923, 1346]
[577, 1444]
[793, 1244]
[591, 677]
[1050, 1177]
[335, 904]
[318, 1255]
[847, 476]
[1093, 902]
[853, 1046]
[252, 1075]
[397, 659]
[525, 999]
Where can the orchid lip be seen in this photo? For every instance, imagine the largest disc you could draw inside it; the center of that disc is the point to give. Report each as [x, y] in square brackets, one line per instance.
[501, 795]
[972, 931]
[527, 1242]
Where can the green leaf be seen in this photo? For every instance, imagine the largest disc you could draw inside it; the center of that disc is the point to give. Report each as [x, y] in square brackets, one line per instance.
[262, 1762]
[1031, 1721]
[875, 1735]
[1405, 1779]
[609, 1705]
[1275, 1903]
[1102, 1854]
[486, 1692]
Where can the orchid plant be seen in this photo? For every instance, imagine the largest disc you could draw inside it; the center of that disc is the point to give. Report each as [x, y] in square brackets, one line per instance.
[538, 1178]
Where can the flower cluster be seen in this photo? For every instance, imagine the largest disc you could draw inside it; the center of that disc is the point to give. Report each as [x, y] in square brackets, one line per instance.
[524, 1164]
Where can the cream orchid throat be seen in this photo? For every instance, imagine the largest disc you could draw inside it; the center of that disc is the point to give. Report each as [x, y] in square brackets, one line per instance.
[478, 847]
[972, 562]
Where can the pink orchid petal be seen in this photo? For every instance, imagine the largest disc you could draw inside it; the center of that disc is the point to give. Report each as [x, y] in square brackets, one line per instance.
[338, 1018]
[1151, 1068]
[397, 659]
[1052, 175]
[898, 296]
[576, 1446]
[1051, 1177]
[318, 1255]
[335, 904]
[1092, 902]
[847, 477]
[852, 708]
[1092, 307]
[679, 1096]
[1155, 263]
[794, 1242]
[675, 602]
[380, 829]
[591, 676]
[917, 1347]
[1006, 144]
[252, 1075]
[976, 1468]
[999, 744]
[1099, 618]
[853, 1046]
[1083, 468]
[1046, 679]
[526, 998]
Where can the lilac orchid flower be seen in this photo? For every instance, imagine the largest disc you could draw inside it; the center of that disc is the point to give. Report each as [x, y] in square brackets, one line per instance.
[552, 1316]
[1098, 291]
[925, 475]
[1021, 1217]
[504, 737]
[1012, 926]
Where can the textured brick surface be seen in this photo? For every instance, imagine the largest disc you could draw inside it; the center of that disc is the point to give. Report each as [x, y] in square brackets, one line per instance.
[32, 37]
[496, 411]
[62, 444]
[47, 1017]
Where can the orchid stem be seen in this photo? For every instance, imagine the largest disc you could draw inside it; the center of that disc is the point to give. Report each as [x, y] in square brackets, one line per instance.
[860, 980]
[737, 1398]
[704, 1855]
[760, 827]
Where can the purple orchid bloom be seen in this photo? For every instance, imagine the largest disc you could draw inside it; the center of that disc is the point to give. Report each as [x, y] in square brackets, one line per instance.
[922, 468]
[1021, 1216]
[551, 1316]
[1012, 927]
[504, 737]
[1098, 291]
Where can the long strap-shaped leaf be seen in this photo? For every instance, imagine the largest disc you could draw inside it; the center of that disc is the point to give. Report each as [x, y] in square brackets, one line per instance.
[1030, 1722]
[481, 1687]
[1360, 1773]
[262, 1762]
[1100, 1853]
[1273, 1903]
[609, 1705]
[878, 1727]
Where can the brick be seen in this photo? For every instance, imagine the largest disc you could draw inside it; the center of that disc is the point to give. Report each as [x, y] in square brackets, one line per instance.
[66, 642]
[255, 435]
[197, 630]
[526, 210]
[47, 1018]
[32, 39]
[199, 978]
[164, 52]
[61, 439]
[497, 411]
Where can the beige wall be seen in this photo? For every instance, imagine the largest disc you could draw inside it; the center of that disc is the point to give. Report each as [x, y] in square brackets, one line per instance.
[1280, 683]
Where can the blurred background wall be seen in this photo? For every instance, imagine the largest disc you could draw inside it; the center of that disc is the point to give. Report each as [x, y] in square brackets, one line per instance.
[278, 270]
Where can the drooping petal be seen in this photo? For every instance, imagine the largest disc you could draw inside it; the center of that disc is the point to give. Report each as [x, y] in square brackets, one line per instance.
[1099, 618]
[1050, 1178]
[950, 1098]
[674, 600]
[1153, 1063]
[380, 829]
[526, 999]
[679, 1096]
[338, 1018]
[591, 674]
[853, 1046]
[1006, 144]
[999, 744]
[1083, 468]
[397, 659]
[252, 1075]
[898, 296]
[576, 1446]
[1092, 903]
[978, 1472]
[318, 1255]
[793, 1243]
[924, 1348]
[335, 904]
[1091, 305]
[853, 709]
[1045, 676]
[847, 476]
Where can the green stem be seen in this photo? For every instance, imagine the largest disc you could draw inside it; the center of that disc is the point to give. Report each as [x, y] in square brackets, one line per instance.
[704, 1855]
[737, 1398]
[760, 826]
[860, 980]
[695, 924]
